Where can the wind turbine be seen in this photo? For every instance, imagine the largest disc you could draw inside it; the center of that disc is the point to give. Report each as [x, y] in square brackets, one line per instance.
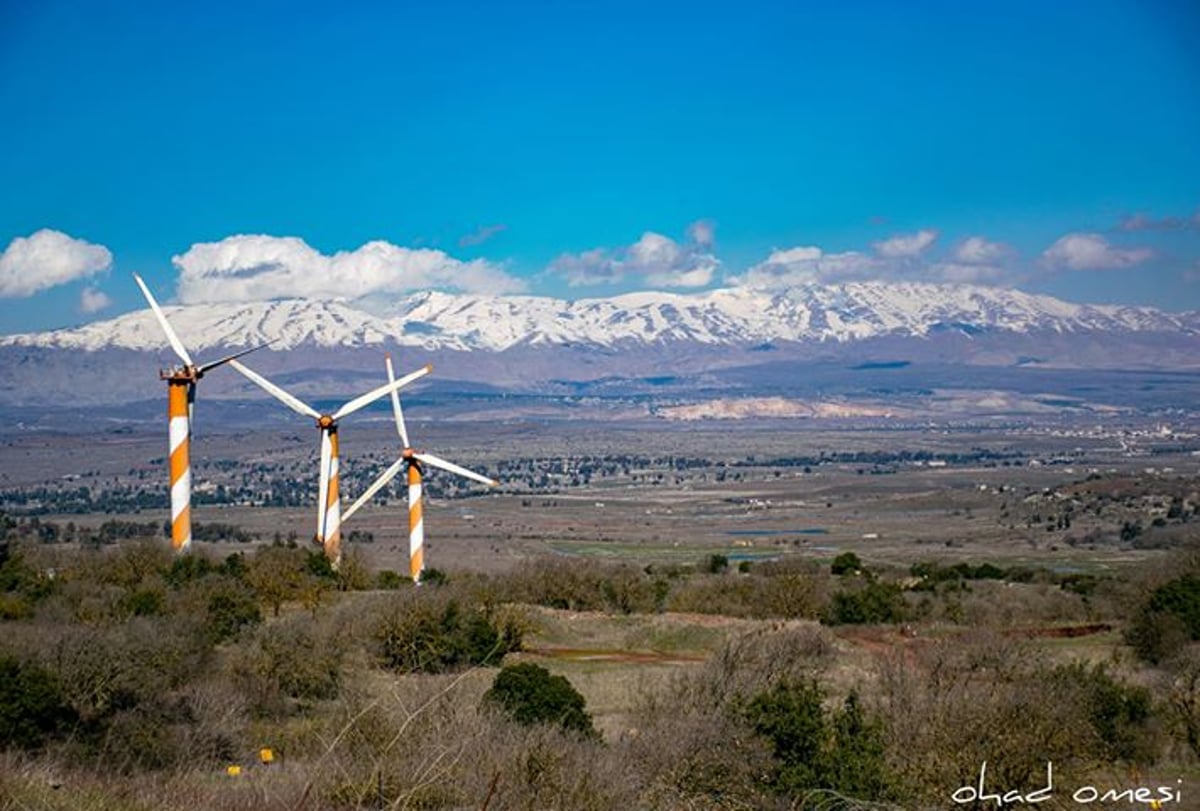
[329, 519]
[181, 396]
[413, 461]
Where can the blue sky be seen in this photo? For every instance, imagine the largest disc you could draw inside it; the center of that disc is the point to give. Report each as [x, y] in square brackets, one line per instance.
[234, 151]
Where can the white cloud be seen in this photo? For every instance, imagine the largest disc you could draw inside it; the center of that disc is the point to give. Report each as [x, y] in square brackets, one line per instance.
[702, 233]
[481, 235]
[47, 259]
[975, 261]
[979, 251]
[969, 273]
[252, 267]
[906, 245]
[809, 265]
[589, 268]
[1144, 222]
[1091, 252]
[92, 300]
[654, 260]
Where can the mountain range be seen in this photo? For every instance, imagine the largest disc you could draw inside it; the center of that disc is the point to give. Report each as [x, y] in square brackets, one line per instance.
[629, 343]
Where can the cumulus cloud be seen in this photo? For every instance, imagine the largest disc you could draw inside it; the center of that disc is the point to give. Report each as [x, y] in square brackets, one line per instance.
[970, 273]
[1144, 222]
[979, 251]
[47, 259]
[703, 233]
[92, 300]
[905, 257]
[481, 235]
[1080, 251]
[811, 265]
[252, 267]
[654, 260]
[906, 245]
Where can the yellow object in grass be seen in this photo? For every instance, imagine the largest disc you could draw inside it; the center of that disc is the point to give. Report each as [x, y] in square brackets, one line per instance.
[266, 756]
[233, 771]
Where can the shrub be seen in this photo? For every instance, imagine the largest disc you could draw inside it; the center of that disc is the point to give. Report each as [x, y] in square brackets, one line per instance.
[227, 606]
[437, 633]
[531, 694]
[874, 603]
[291, 659]
[846, 563]
[1169, 618]
[389, 580]
[188, 568]
[433, 577]
[815, 749]
[32, 707]
[1120, 714]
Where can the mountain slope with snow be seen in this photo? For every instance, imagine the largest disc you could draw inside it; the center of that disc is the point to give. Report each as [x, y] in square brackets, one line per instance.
[436, 321]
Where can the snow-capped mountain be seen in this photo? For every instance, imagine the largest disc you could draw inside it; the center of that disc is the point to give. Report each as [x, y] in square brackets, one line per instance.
[738, 341]
[728, 317]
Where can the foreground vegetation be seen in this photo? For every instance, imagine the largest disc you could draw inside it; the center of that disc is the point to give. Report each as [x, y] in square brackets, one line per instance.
[130, 678]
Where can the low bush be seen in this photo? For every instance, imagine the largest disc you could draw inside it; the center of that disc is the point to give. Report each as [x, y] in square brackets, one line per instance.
[436, 630]
[531, 694]
[32, 706]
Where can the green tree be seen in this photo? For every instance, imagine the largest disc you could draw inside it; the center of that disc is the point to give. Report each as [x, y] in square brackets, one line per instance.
[876, 602]
[846, 563]
[531, 694]
[32, 707]
[814, 748]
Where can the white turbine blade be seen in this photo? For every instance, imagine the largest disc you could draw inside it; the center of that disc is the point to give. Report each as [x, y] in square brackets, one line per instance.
[375, 487]
[214, 364]
[436, 461]
[373, 395]
[172, 338]
[396, 404]
[281, 395]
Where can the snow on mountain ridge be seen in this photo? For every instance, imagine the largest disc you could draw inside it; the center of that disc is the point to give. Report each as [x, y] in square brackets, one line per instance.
[436, 320]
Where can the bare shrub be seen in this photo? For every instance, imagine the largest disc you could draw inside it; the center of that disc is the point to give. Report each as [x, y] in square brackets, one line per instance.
[699, 760]
[980, 697]
[438, 630]
[753, 662]
[784, 595]
[586, 586]
[290, 664]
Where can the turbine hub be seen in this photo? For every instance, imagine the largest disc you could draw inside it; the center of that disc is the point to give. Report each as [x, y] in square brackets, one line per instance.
[325, 421]
[181, 374]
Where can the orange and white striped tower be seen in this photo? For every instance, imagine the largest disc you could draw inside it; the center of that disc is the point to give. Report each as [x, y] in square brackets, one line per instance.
[416, 523]
[179, 391]
[413, 461]
[329, 518]
[329, 511]
[181, 394]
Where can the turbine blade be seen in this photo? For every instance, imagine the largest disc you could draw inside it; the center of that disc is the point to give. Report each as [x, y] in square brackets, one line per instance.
[373, 395]
[375, 487]
[172, 338]
[234, 356]
[266, 385]
[437, 461]
[396, 404]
